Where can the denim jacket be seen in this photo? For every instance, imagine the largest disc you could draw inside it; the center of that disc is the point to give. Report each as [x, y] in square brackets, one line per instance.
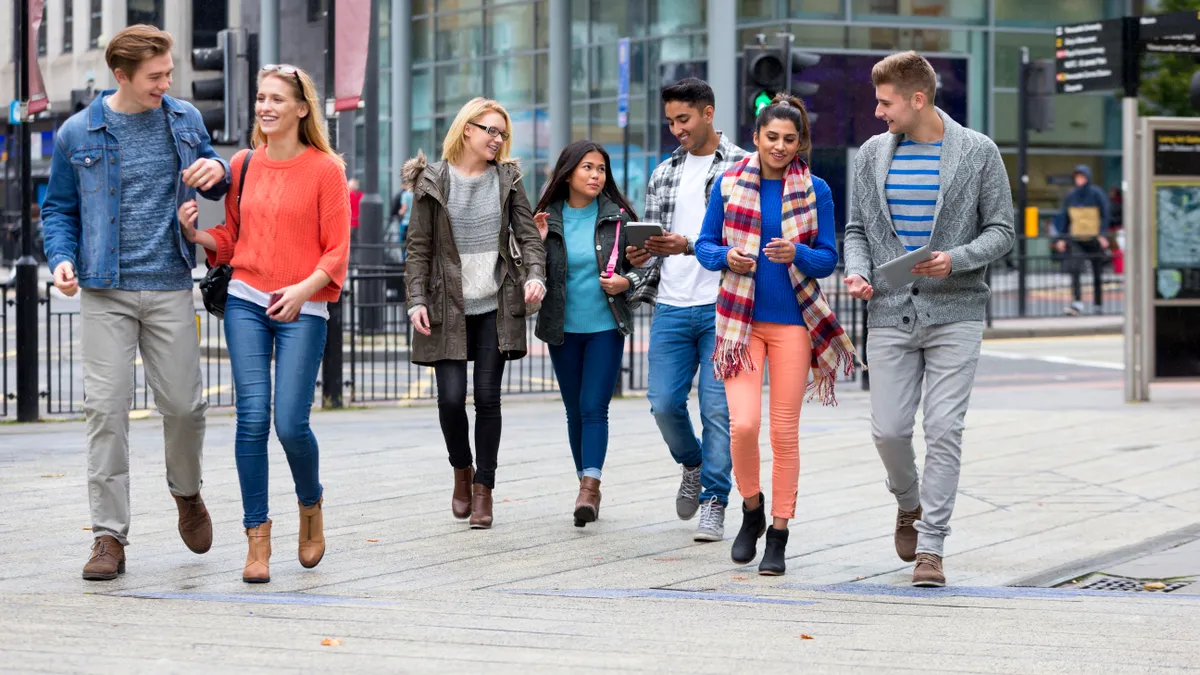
[82, 208]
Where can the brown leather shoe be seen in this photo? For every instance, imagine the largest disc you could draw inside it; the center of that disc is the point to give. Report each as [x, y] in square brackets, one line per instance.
[906, 534]
[258, 557]
[107, 561]
[928, 573]
[460, 503]
[195, 527]
[481, 507]
[587, 504]
[312, 534]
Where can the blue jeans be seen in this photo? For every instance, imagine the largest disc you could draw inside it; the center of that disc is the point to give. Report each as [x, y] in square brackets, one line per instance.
[682, 339]
[587, 366]
[250, 337]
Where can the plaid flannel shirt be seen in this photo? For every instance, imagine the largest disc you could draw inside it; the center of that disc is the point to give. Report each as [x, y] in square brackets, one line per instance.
[660, 202]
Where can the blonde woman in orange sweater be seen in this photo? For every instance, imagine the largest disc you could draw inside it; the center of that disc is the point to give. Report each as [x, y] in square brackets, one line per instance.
[288, 243]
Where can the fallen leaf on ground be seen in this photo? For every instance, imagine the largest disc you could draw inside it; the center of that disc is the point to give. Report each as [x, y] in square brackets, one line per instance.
[86, 529]
[805, 637]
[1155, 586]
[331, 642]
[373, 541]
[739, 578]
[53, 475]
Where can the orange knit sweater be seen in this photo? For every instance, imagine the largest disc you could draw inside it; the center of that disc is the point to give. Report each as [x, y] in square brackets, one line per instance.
[297, 217]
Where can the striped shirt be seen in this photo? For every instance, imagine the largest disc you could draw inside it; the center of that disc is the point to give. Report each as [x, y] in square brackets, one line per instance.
[912, 191]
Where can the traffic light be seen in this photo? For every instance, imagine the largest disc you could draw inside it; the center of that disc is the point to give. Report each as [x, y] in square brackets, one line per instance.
[766, 72]
[220, 112]
[81, 99]
[1040, 86]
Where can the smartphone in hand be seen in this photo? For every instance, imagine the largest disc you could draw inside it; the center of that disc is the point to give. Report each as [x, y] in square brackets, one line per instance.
[275, 298]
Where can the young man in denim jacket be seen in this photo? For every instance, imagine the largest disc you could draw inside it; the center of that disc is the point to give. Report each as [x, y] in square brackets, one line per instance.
[120, 169]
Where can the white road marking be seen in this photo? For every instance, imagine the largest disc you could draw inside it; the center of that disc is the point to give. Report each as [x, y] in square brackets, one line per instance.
[1063, 360]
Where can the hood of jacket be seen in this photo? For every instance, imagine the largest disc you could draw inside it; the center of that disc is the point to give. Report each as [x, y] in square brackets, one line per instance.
[1085, 170]
[425, 177]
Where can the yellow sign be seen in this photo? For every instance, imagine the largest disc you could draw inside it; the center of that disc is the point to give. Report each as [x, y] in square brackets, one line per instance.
[197, 329]
[1031, 222]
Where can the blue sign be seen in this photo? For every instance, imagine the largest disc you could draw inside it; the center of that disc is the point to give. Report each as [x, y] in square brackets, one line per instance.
[623, 83]
[14, 112]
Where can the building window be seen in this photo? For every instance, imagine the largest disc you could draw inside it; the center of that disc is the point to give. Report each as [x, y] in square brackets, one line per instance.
[316, 9]
[145, 11]
[97, 24]
[68, 26]
[41, 37]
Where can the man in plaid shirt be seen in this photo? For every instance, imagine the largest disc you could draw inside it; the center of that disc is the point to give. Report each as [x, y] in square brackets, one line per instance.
[683, 334]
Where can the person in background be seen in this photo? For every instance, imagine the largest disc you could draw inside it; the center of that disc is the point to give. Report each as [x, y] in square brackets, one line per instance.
[683, 333]
[770, 229]
[356, 196]
[1081, 235]
[287, 237]
[587, 312]
[475, 261]
[120, 169]
[398, 223]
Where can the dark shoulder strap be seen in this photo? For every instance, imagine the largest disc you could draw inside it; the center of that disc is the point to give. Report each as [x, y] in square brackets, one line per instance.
[242, 183]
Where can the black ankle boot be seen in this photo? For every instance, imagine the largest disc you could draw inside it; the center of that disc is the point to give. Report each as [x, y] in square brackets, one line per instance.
[773, 563]
[754, 523]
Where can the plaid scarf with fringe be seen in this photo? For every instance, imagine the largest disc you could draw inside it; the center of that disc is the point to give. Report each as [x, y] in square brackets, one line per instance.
[831, 347]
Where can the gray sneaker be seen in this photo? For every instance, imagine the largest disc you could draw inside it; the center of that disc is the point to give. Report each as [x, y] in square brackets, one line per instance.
[712, 521]
[687, 500]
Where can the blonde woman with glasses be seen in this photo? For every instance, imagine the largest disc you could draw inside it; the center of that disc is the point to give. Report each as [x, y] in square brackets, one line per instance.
[474, 259]
[287, 237]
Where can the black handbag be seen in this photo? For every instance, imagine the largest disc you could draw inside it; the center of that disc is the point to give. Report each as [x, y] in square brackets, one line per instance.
[214, 287]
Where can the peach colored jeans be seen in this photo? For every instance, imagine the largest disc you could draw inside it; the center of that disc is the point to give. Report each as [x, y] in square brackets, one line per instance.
[787, 351]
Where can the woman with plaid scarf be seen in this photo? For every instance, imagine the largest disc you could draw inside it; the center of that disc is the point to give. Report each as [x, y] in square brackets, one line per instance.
[770, 229]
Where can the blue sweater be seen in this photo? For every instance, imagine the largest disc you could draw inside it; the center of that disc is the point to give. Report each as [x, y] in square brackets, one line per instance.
[774, 298]
[587, 303]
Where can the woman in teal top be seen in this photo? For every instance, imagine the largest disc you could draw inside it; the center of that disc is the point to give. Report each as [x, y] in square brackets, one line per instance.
[587, 311]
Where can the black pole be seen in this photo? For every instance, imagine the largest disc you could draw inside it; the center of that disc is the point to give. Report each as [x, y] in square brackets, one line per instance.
[371, 207]
[331, 361]
[1022, 179]
[27, 295]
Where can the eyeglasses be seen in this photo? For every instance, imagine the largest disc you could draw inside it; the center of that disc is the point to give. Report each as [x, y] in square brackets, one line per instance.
[283, 69]
[492, 131]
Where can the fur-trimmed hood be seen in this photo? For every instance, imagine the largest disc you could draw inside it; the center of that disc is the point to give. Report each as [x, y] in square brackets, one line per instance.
[427, 177]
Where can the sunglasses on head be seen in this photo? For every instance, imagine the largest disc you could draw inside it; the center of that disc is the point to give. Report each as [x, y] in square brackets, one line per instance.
[283, 69]
[491, 131]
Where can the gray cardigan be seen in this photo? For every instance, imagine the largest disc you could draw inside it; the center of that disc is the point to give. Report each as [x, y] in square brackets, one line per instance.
[973, 223]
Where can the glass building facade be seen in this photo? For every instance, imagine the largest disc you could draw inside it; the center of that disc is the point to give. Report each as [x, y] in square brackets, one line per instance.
[500, 49]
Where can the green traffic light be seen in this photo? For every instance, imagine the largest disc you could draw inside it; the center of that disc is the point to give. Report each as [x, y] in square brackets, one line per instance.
[762, 100]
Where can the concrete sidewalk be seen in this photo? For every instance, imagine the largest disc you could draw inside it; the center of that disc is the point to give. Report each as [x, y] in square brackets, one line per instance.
[405, 588]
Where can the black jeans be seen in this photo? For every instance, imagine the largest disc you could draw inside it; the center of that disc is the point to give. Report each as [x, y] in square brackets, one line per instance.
[483, 347]
[1089, 250]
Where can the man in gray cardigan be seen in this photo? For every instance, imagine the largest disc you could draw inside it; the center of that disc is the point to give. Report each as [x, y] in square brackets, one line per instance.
[927, 182]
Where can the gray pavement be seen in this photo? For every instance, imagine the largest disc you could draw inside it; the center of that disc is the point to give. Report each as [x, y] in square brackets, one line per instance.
[1056, 470]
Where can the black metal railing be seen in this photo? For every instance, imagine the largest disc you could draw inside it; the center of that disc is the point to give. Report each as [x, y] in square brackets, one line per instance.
[6, 299]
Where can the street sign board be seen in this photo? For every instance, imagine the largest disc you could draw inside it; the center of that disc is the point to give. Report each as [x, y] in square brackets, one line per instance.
[623, 83]
[1089, 56]
[1165, 27]
[14, 112]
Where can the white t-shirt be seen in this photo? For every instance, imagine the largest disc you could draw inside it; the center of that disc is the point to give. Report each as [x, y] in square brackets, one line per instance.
[684, 283]
[244, 291]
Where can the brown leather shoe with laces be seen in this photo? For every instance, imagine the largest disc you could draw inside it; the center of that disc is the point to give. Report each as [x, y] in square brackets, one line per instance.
[107, 561]
[906, 534]
[928, 573]
[195, 527]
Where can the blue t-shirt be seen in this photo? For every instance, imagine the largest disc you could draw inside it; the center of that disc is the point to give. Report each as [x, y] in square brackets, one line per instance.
[912, 190]
[587, 303]
[150, 256]
[774, 298]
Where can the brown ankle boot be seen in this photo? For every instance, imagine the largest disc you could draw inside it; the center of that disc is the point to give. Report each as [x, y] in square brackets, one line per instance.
[195, 526]
[460, 503]
[312, 534]
[258, 558]
[481, 507]
[107, 561]
[587, 504]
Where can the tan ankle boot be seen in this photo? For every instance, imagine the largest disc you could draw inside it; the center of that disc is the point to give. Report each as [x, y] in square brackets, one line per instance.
[481, 507]
[258, 558]
[587, 504]
[460, 502]
[312, 534]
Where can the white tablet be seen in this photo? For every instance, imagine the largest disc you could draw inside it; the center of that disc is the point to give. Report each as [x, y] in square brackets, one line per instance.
[898, 272]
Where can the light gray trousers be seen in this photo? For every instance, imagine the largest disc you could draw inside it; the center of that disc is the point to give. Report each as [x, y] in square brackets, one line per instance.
[944, 359]
[114, 325]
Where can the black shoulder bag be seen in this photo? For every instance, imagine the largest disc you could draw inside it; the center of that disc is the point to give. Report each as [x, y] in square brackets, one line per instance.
[214, 288]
